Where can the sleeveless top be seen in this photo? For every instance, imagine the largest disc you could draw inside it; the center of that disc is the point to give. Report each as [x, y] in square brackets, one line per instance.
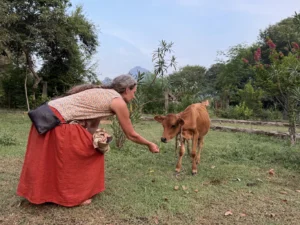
[88, 104]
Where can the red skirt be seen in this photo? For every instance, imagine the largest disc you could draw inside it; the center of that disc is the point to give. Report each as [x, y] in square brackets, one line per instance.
[61, 166]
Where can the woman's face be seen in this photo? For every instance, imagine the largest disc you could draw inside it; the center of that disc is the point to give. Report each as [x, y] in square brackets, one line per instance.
[128, 95]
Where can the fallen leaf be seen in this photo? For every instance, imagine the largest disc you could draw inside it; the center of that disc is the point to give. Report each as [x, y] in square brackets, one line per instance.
[155, 220]
[271, 172]
[272, 215]
[236, 179]
[284, 200]
[176, 188]
[196, 190]
[242, 214]
[184, 187]
[151, 171]
[283, 192]
[298, 191]
[213, 167]
[228, 213]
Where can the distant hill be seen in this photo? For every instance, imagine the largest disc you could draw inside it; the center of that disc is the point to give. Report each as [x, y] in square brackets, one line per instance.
[134, 71]
[106, 81]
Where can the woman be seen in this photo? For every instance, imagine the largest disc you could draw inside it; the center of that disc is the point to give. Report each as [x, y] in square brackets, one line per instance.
[62, 166]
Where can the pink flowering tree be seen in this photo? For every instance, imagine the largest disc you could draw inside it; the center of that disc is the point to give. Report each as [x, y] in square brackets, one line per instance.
[281, 78]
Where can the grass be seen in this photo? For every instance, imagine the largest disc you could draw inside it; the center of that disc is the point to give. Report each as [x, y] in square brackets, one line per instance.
[233, 175]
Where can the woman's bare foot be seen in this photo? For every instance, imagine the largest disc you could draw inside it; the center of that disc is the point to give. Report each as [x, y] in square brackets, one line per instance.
[86, 202]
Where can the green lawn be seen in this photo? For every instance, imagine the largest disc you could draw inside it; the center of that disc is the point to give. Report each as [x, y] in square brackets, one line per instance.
[140, 186]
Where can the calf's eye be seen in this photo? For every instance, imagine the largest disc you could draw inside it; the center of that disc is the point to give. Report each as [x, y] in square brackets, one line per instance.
[173, 126]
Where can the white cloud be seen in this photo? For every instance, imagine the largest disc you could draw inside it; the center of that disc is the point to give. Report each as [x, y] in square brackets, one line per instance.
[133, 38]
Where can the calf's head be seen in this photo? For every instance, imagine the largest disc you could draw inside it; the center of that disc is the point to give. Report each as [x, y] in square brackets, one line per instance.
[172, 124]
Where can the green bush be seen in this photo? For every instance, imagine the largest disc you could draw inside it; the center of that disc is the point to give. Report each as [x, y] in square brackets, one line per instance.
[7, 140]
[38, 101]
[241, 111]
[270, 115]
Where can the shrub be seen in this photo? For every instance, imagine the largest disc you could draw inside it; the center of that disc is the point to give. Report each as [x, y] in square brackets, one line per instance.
[6, 140]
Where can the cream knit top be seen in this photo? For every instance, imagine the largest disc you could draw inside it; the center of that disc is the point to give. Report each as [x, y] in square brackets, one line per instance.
[88, 104]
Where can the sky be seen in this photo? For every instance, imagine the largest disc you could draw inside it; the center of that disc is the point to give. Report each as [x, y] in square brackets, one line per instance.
[130, 30]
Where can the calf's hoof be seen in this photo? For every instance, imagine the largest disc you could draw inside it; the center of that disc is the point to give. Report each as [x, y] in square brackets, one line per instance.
[194, 172]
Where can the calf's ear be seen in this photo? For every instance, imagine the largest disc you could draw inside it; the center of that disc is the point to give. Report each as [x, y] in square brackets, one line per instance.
[159, 119]
[180, 122]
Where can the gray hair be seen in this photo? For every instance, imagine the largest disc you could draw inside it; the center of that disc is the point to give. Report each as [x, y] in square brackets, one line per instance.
[120, 83]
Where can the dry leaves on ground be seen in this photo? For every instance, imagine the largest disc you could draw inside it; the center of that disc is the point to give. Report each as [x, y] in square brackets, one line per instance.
[228, 213]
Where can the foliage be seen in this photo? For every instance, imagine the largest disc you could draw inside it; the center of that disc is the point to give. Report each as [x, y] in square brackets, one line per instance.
[42, 32]
[242, 111]
[251, 99]
[189, 80]
[282, 78]
[296, 21]
[13, 87]
[270, 115]
[210, 79]
[159, 57]
[185, 101]
[162, 64]
[234, 75]
[283, 33]
[151, 94]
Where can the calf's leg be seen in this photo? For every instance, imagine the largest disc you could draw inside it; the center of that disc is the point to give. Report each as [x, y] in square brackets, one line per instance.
[200, 147]
[181, 153]
[194, 154]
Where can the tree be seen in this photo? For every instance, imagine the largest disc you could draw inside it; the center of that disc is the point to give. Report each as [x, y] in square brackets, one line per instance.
[250, 101]
[297, 23]
[162, 64]
[282, 78]
[210, 78]
[189, 80]
[152, 94]
[234, 74]
[282, 33]
[43, 33]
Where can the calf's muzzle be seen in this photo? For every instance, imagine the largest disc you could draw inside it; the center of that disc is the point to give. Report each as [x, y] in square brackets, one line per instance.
[164, 140]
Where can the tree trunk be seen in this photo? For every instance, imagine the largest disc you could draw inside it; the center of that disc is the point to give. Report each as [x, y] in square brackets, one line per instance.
[26, 93]
[292, 126]
[166, 101]
[45, 90]
[30, 65]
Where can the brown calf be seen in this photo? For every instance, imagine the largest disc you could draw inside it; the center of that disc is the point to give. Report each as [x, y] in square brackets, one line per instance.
[191, 124]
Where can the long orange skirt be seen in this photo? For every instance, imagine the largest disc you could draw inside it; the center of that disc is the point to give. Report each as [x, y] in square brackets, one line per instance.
[61, 166]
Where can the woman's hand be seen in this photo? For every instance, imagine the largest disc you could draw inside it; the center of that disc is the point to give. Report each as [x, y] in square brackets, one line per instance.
[153, 148]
